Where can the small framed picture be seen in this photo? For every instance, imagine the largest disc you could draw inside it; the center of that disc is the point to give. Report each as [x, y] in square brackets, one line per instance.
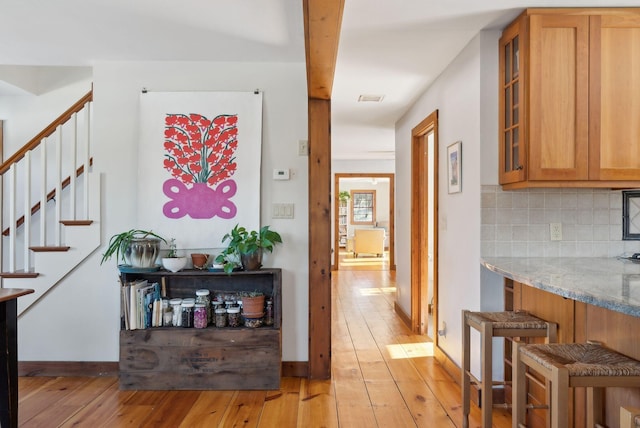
[454, 167]
[631, 215]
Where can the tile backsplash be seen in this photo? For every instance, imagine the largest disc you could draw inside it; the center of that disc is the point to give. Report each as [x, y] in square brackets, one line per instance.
[517, 223]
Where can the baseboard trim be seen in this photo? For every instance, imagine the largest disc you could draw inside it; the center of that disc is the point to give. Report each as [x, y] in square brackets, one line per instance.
[404, 317]
[68, 368]
[499, 394]
[295, 369]
[109, 368]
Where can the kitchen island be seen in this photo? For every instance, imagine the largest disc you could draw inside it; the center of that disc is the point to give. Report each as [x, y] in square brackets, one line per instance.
[590, 299]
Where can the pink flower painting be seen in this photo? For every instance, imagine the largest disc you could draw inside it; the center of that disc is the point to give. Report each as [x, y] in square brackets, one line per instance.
[199, 155]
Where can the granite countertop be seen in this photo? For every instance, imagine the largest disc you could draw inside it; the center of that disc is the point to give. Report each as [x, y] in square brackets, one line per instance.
[610, 283]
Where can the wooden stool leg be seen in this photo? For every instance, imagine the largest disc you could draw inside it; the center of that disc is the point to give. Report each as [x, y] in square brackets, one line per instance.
[466, 366]
[595, 402]
[552, 333]
[559, 406]
[519, 388]
[487, 376]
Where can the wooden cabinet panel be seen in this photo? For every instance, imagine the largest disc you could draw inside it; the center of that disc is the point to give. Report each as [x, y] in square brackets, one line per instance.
[615, 98]
[550, 307]
[571, 116]
[559, 97]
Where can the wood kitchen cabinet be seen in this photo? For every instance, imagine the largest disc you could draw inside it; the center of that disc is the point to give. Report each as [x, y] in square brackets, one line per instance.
[570, 99]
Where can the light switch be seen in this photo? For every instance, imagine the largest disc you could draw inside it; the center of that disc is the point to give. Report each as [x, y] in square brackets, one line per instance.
[282, 211]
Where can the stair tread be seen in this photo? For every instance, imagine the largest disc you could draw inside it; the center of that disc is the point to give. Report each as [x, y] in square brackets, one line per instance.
[19, 274]
[49, 248]
[76, 222]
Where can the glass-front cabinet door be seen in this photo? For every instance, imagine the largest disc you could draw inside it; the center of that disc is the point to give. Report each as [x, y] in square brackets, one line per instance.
[512, 144]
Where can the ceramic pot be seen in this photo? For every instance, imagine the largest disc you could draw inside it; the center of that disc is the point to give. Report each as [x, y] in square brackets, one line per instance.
[253, 307]
[174, 264]
[199, 260]
[142, 252]
[252, 261]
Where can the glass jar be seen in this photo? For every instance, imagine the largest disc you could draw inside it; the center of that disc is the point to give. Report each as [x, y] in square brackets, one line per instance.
[268, 316]
[187, 313]
[176, 309]
[200, 316]
[203, 297]
[233, 316]
[221, 317]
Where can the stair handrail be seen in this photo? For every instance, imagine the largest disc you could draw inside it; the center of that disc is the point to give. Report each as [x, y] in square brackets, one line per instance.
[46, 132]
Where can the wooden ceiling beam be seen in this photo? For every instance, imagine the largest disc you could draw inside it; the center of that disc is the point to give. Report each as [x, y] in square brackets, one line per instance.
[322, 22]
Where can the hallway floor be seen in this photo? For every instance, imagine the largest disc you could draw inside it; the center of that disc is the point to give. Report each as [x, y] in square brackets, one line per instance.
[382, 376]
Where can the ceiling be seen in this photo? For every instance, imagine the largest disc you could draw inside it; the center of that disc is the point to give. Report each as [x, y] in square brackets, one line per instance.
[384, 49]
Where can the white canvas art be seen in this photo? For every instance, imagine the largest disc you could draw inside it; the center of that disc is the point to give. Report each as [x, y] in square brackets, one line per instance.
[200, 155]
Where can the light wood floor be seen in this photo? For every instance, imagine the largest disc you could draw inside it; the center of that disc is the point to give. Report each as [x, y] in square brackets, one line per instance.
[383, 376]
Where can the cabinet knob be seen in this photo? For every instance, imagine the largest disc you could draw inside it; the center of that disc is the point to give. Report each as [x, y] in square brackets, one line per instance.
[519, 168]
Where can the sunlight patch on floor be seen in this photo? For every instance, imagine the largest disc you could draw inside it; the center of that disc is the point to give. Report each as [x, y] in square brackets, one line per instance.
[410, 350]
[363, 262]
[377, 291]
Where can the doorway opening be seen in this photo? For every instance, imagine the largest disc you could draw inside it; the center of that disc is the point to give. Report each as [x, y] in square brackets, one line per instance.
[424, 227]
[364, 232]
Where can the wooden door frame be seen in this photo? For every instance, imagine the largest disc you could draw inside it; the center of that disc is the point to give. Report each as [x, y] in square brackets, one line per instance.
[336, 205]
[428, 124]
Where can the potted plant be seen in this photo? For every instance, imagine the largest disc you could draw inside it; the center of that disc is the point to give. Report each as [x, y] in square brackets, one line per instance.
[252, 304]
[136, 248]
[344, 196]
[172, 262]
[247, 246]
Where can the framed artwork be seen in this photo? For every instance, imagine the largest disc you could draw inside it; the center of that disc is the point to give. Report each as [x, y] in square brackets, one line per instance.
[454, 167]
[199, 173]
[631, 215]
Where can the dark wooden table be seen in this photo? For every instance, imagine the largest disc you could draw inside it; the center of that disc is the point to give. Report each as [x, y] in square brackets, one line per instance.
[9, 355]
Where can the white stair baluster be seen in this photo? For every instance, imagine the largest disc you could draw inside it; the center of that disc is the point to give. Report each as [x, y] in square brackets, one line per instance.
[58, 175]
[87, 158]
[43, 192]
[12, 218]
[74, 155]
[26, 226]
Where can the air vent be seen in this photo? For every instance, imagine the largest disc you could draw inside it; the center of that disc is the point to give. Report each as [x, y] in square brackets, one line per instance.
[370, 98]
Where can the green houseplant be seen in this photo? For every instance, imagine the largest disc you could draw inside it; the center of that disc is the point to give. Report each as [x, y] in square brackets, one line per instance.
[247, 247]
[137, 248]
[172, 261]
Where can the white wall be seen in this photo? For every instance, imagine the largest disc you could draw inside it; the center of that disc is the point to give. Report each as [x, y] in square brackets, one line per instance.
[26, 115]
[460, 94]
[79, 319]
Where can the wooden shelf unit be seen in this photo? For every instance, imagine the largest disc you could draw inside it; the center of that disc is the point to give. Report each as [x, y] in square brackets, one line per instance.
[230, 358]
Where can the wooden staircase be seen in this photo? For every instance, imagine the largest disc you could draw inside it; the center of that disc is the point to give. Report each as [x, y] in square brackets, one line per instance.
[62, 228]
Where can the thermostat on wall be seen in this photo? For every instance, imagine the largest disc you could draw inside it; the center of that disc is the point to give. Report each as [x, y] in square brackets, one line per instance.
[280, 174]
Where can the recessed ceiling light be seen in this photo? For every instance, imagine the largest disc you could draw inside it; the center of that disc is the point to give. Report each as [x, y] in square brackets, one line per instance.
[370, 98]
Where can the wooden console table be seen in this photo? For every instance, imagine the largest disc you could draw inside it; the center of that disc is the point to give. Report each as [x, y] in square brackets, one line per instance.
[9, 355]
[229, 358]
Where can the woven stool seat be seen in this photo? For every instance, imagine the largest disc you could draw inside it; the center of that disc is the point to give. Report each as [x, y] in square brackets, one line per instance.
[583, 359]
[508, 320]
[570, 365]
[490, 325]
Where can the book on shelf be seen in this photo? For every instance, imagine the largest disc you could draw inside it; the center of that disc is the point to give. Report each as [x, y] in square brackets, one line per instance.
[139, 300]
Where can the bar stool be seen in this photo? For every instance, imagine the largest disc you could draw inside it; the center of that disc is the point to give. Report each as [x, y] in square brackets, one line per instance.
[569, 365]
[490, 325]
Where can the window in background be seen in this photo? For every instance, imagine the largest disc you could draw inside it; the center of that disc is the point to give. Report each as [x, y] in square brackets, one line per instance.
[363, 207]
